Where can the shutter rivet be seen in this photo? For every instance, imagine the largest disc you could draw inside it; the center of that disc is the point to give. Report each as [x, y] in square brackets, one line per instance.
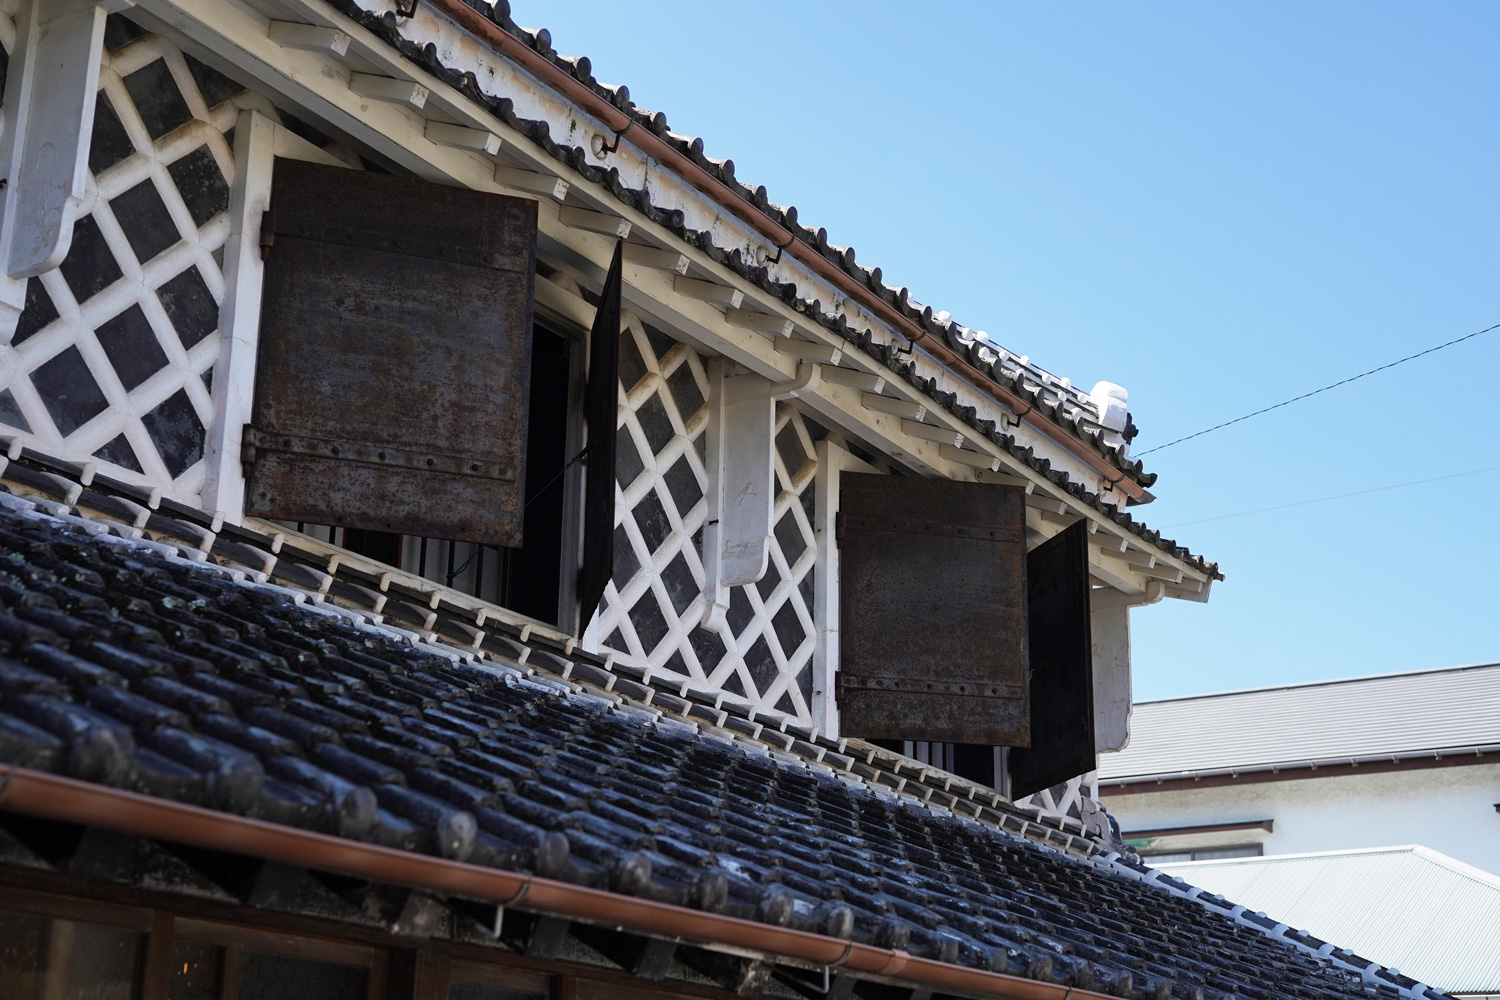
[474, 467]
[431, 461]
[382, 456]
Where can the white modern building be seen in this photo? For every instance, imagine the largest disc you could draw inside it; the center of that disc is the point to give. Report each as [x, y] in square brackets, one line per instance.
[1367, 762]
[1407, 907]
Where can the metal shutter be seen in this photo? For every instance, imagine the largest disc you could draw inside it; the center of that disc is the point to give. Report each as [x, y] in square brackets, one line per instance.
[932, 610]
[394, 357]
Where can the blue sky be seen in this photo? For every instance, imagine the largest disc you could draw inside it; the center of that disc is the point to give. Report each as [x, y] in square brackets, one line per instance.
[1217, 206]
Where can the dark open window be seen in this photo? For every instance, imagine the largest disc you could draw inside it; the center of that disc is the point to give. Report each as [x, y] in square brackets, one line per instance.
[955, 641]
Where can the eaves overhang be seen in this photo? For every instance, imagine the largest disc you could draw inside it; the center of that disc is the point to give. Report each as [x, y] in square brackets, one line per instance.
[968, 431]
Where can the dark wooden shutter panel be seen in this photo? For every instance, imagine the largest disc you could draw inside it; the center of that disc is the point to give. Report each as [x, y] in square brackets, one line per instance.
[932, 610]
[601, 402]
[1062, 665]
[394, 360]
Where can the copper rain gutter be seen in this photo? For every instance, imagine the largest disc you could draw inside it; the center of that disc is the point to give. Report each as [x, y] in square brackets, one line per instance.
[652, 144]
[37, 793]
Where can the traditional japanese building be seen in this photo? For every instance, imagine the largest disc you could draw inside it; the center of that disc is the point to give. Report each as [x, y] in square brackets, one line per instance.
[459, 540]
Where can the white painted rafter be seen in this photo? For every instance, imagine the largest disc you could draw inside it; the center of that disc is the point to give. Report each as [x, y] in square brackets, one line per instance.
[532, 182]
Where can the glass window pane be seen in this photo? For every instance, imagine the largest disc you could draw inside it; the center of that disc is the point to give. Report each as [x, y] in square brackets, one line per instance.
[66, 959]
[196, 969]
[22, 961]
[277, 977]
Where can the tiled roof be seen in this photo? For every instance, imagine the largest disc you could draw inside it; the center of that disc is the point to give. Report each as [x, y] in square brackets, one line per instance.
[1411, 908]
[141, 649]
[1054, 397]
[1358, 718]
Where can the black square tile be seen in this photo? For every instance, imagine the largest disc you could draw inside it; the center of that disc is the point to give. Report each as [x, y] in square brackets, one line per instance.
[660, 342]
[651, 518]
[68, 390]
[110, 142]
[709, 647]
[655, 423]
[769, 582]
[632, 365]
[120, 30]
[789, 537]
[789, 447]
[10, 412]
[176, 431]
[650, 624]
[117, 451]
[788, 628]
[762, 666]
[680, 584]
[144, 217]
[190, 306]
[628, 462]
[626, 564]
[685, 391]
[201, 184]
[132, 347]
[89, 267]
[37, 313]
[682, 483]
[215, 87]
[157, 99]
[741, 611]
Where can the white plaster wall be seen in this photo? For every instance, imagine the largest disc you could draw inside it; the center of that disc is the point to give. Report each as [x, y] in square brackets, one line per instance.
[1449, 809]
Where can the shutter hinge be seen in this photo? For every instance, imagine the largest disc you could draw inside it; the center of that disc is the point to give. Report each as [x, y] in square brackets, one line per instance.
[247, 448]
[267, 234]
[838, 529]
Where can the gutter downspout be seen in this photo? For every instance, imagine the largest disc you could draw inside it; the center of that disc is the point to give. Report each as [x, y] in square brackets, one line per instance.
[653, 145]
[37, 793]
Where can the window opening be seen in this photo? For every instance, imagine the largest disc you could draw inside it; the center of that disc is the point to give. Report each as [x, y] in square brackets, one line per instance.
[1204, 854]
[46, 957]
[527, 579]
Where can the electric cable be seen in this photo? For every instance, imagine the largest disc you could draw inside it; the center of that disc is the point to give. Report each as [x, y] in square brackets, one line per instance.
[1306, 395]
[1337, 496]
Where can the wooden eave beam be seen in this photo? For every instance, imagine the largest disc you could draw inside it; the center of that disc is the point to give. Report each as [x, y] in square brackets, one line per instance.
[273, 70]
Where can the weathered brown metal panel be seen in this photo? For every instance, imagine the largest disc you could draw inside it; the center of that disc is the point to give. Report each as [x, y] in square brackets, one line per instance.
[1062, 665]
[394, 358]
[932, 610]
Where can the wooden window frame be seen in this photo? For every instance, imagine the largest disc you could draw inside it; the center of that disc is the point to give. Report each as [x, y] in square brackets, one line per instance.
[438, 963]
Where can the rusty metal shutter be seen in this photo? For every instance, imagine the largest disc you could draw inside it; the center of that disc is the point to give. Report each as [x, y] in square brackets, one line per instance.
[1062, 665]
[600, 407]
[395, 346]
[932, 610]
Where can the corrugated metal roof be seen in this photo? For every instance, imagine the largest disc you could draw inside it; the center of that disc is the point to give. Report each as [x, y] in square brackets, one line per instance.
[1409, 908]
[1359, 717]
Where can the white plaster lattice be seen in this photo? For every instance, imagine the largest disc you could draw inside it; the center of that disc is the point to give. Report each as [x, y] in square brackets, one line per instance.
[652, 608]
[114, 355]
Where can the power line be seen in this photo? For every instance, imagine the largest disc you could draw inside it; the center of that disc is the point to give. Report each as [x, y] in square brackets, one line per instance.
[1305, 395]
[1339, 496]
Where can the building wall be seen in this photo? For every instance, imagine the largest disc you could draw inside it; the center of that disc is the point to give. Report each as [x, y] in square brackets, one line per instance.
[1449, 809]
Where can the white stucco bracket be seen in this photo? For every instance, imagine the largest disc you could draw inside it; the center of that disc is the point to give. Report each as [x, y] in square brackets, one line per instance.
[1109, 625]
[48, 116]
[741, 486]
